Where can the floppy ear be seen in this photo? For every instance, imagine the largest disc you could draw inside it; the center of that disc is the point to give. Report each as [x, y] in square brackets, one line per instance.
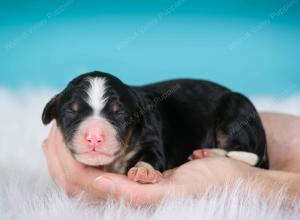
[49, 112]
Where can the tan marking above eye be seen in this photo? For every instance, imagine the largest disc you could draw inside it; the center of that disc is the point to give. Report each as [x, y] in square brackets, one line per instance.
[75, 106]
[115, 107]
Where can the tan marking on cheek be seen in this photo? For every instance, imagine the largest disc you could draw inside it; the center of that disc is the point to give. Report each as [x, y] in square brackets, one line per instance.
[124, 145]
[127, 138]
[121, 162]
[116, 167]
[221, 139]
[75, 106]
[119, 165]
[130, 155]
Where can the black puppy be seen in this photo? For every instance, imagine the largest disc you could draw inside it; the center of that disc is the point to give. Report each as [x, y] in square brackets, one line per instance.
[148, 129]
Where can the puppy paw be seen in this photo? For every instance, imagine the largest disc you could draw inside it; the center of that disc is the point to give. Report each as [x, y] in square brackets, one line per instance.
[144, 175]
[202, 153]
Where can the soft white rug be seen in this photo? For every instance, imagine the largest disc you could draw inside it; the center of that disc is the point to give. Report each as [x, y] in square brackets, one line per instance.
[27, 192]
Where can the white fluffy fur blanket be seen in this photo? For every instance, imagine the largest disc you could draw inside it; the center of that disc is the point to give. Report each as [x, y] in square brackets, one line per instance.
[27, 192]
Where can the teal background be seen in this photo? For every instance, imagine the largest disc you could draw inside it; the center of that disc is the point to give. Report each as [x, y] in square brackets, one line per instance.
[250, 46]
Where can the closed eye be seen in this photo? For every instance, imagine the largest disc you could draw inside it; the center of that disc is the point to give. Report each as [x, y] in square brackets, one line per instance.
[70, 112]
[72, 109]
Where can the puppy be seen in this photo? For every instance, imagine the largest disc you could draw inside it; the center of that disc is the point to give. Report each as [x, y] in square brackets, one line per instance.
[144, 130]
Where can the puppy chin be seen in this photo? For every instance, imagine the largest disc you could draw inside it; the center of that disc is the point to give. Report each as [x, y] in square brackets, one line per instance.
[99, 160]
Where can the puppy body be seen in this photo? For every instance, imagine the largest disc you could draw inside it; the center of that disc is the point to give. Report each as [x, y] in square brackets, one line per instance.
[197, 114]
[109, 124]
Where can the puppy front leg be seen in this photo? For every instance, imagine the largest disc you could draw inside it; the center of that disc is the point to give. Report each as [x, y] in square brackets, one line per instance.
[143, 172]
[147, 170]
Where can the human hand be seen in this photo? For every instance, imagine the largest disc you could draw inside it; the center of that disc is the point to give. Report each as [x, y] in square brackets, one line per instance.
[192, 178]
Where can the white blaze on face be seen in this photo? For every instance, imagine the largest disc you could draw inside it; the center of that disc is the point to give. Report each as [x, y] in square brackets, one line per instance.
[96, 94]
[102, 152]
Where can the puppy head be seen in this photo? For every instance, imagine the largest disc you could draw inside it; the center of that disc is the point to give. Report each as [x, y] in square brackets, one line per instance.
[92, 112]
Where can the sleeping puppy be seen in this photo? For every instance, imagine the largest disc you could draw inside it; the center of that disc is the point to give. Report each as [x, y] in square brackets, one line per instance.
[144, 130]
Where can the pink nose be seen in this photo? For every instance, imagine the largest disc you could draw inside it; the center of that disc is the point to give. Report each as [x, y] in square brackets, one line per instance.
[94, 140]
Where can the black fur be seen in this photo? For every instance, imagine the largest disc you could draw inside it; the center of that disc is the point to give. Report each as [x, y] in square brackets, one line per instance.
[168, 120]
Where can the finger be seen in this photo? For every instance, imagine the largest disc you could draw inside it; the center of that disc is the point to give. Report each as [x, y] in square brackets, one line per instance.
[45, 145]
[52, 130]
[120, 187]
[56, 132]
[51, 145]
[73, 173]
[54, 165]
[57, 145]
[69, 163]
[49, 141]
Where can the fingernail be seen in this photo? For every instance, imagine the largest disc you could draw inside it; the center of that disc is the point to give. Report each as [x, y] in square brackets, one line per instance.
[104, 184]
